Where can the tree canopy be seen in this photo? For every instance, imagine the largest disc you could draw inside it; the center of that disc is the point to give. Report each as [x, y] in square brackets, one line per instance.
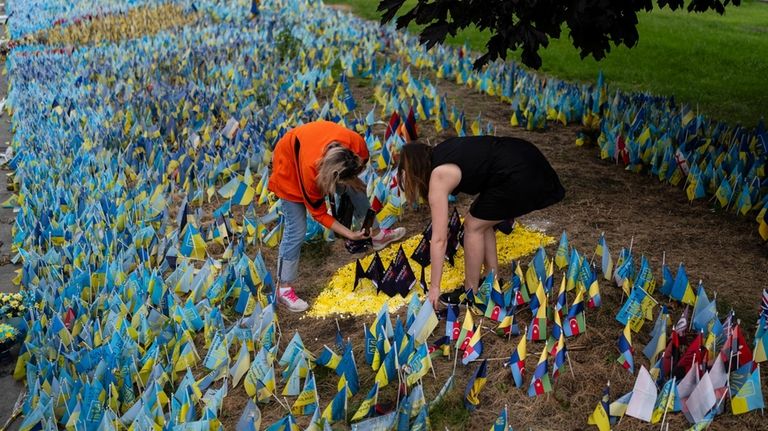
[528, 25]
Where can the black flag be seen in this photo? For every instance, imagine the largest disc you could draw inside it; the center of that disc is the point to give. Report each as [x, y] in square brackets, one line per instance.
[359, 274]
[375, 270]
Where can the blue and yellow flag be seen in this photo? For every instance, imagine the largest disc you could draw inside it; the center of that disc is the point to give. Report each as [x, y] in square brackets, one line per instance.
[474, 386]
[599, 416]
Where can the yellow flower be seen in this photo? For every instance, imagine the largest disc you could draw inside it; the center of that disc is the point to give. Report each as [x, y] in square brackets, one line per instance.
[338, 297]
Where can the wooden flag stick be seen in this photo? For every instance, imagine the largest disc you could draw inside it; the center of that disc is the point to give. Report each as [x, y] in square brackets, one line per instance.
[506, 358]
[570, 365]
[455, 358]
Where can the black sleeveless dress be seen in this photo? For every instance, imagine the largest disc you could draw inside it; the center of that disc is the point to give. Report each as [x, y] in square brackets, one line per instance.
[510, 176]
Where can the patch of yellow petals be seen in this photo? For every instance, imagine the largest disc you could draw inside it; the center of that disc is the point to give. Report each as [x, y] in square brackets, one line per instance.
[339, 299]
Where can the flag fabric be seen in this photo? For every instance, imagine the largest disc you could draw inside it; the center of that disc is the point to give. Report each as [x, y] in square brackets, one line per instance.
[643, 399]
[452, 325]
[540, 383]
[704, 310]
[328, 358]
[517, 362]
[307, 402]
[667, 280]
[749, 396]
[764, 304]
[474, 386]
[287, 423]
[537, 331]
[519, 285]
[370, 345]
[638, 306]
[473, 349]
[658, 336]
[599, 416]
[241, 366]
[619, 407]
[701, 400]
[250, 420]
[561, 257]
[387, 371]
[560, 304]
[625, 349]
[508, 326]
[394, 123]
[559, 355]
[337, 409]
[501, 423]
[606, 261]
[681, 289]
[682, 323]
[347, 371]
[696, 350]
[367, 406]
[539, 299]
[575, 323]
[667, 401]
[424, 323]
[419, 364]
[441, 346]
[594, 291]
[736, 347]
[760, 352]
[574, 264]
[467, 330]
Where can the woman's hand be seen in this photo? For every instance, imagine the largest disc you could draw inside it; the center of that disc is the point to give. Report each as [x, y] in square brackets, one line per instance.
[356, 236]
[342, 230]
[433, 295]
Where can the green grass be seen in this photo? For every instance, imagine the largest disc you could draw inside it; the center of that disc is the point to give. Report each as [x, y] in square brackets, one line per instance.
[716, 63]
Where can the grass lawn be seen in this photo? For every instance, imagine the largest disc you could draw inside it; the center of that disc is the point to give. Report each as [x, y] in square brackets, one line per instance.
[717, 63]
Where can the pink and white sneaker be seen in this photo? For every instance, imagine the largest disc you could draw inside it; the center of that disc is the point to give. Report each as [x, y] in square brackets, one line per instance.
[386, 237]
[288, 298]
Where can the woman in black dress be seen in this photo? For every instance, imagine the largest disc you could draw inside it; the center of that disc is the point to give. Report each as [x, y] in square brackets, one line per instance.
[510, 177]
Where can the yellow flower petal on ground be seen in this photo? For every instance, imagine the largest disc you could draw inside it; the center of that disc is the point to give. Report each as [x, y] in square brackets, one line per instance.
[338, 297]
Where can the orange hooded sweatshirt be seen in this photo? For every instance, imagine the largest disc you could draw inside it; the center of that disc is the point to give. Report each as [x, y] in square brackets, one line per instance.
[291, 170]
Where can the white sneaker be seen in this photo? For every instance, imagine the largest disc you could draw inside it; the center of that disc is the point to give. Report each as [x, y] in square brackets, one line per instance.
[287, 297]
[387, 236]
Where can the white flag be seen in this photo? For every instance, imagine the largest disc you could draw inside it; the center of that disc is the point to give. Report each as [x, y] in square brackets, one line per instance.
[686, 386]
[643, 396]
[717, 374]
[701, 401]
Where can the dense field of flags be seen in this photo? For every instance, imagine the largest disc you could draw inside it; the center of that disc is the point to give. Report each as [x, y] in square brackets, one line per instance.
[140, 170]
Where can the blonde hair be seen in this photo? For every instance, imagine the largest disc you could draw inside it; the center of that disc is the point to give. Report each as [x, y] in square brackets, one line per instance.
[339, 165]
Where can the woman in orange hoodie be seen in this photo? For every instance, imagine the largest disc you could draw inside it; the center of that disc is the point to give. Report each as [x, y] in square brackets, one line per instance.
[310, 162]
